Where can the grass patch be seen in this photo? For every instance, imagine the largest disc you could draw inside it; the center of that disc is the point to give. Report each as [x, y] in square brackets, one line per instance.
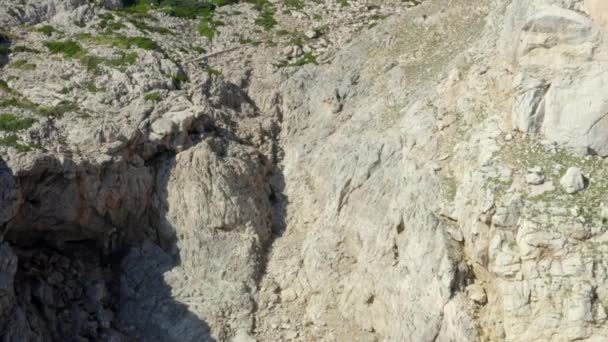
[308, 58]
[58, 110]
[12, 140]
[123, 60]
[69, 48]
[26, 49]
[108, 23]
[207, 26]
[92, 87]
[11, 123]
[91, 63]
[179, 80]
[153, 97]
[294, 4]
[252, 42]
[199, 49]
[4, 86]
[212, 71]
[22, 64]
[47, 30]
[19, 102]
[189, 9]
[120, 41]
[143, 26]
[265, 17]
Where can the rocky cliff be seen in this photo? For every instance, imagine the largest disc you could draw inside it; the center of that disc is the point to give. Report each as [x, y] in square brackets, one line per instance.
[303, 171]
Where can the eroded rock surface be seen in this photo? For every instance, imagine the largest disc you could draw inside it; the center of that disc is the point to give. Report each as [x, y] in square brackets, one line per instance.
[336, 171]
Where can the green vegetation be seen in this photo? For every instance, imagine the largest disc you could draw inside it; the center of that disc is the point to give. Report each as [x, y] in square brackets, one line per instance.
[154, 97]
[308, 58]
[92, 87]
[179, 79]
[12, 140]
[47, 30]
[123, 60]
[24, 49]
[72, 49]
[23, 65]
[4, 86]
[526, 154]
[91, 63]
[58, 110]
[18, 102]
[178, 8]
[69, 48]
[295, 4]
[265, 17]
[199, 49]
[207, 26]
[107, 22]
[4, 50]
[212, 71]
[120, 41]
[11, 123]
[142, 25]
[250, 41]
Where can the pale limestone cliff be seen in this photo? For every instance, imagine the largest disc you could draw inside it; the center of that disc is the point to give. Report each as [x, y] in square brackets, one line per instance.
[419, 171]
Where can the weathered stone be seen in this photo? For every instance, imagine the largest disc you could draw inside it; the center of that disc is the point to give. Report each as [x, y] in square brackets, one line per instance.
[573, 181]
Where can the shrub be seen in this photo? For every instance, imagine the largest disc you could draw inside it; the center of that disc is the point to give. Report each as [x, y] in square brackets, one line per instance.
[11, 123]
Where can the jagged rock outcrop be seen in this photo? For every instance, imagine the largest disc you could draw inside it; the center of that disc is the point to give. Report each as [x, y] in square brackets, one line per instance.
[436, 175]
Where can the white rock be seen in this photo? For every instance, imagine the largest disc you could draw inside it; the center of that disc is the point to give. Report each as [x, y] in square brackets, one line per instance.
[477, 294]
[535, 178]
[573, 181]
[311, 34]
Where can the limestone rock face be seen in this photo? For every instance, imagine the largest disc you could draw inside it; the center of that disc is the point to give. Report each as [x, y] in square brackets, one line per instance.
[345, 175]
[598, 10]
[545, 96]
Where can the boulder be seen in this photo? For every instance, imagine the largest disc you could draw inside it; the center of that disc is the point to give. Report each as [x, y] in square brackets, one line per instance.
[573, 181]
[575, 110]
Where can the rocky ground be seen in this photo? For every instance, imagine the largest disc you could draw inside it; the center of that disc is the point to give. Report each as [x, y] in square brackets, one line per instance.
[303, 171]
